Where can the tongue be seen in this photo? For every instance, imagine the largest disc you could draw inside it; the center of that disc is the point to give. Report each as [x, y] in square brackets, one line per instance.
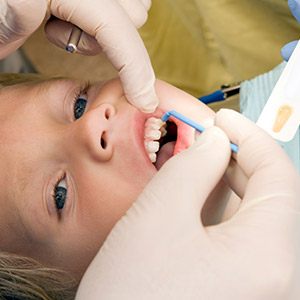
[165, 153]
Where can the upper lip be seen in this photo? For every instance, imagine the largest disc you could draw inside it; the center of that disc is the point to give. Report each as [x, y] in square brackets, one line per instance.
[139, 129]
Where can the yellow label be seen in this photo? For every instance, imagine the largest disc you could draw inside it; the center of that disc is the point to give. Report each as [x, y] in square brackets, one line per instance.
[283, 114]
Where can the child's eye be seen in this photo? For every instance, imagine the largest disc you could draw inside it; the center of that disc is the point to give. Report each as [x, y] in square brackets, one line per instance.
[60, 194]
[79, 107]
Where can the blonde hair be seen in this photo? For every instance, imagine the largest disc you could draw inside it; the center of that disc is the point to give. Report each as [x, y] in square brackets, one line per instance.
[7, 79]
[23, 278]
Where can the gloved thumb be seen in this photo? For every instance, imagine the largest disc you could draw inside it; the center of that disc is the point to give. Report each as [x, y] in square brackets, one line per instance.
[18, 20]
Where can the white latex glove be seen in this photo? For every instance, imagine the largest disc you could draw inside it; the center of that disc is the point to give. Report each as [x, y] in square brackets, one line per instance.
[109, 26]
[18, 22]
[161, 250]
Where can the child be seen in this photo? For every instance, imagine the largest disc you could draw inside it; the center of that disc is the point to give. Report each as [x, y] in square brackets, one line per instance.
[75, 156]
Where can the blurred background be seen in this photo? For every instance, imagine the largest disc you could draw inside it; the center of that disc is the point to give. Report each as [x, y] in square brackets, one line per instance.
[196, 45]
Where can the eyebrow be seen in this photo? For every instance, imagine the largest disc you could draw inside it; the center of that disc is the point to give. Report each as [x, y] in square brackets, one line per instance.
[57, 93]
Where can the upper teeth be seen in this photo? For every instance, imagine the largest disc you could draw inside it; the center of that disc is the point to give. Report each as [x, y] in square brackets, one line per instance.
[153, 131]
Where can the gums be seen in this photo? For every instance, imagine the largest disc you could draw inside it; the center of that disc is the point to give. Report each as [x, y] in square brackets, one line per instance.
[179, 137]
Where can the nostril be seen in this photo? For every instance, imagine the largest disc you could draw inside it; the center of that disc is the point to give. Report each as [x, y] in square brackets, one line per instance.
[107, 113]
[103, 140]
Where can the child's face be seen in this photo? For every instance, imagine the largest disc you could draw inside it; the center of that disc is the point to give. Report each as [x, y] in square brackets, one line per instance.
[98, 164]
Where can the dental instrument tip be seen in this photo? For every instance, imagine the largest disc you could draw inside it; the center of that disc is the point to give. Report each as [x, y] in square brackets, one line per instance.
[166, 116]
[191, 123]
[182, 118]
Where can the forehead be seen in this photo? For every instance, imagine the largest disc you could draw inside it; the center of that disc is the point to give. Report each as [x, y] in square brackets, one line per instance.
[19, 115]
[24, 111]
[15, 126]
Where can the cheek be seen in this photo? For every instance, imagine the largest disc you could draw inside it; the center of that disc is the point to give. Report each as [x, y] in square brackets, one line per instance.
[102, 200]
[107, 190]
[134, 169]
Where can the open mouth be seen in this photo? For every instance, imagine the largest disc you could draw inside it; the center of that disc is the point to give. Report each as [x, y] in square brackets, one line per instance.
[164, 140]
[167, 144]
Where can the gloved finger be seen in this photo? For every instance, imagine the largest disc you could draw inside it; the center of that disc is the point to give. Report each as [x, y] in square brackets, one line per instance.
[119, 39]
[17, 21]
[147, 4]
[294, 6]
[136, 10]
[236, 178]
[270, 172]
[183, 184]
[288, 49]
[58, 32]
[7, 49]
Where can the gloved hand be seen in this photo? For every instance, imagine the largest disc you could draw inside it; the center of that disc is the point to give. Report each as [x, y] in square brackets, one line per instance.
[161, 250]
[288, 49]
[109, 25]
[17, 22]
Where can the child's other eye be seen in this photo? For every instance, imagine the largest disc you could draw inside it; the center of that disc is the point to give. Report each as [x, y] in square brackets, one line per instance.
[60, 194]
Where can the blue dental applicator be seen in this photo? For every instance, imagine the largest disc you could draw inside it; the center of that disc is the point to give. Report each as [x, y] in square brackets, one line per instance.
[191, 123]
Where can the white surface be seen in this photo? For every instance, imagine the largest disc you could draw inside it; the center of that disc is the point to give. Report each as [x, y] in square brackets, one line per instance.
[285, 92]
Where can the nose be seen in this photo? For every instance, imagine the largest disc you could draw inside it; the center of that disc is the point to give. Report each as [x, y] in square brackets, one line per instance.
[92, 131]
